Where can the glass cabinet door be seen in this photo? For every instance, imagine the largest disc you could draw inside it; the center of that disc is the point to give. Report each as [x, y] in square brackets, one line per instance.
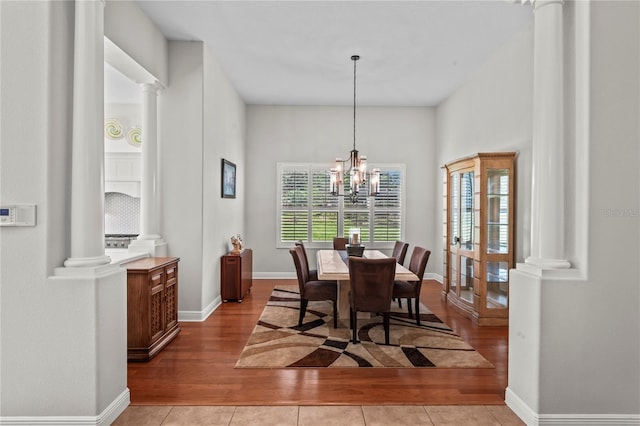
[498, 211]
[461, 234]
[466, 278]
[497, 238]
[497, 285]
[466, 211]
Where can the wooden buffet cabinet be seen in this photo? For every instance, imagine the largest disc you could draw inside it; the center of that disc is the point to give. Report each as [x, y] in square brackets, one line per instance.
[152, 306]
[479, 203]
[236, 275]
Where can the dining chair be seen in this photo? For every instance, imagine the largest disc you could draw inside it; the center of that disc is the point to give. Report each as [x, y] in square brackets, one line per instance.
[371, 290]
[315, 290]
[411, 289]
[400, 251]
[313, 273]
[340, 243]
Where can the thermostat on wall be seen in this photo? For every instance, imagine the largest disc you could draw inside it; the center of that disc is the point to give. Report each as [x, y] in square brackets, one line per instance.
[18, 215]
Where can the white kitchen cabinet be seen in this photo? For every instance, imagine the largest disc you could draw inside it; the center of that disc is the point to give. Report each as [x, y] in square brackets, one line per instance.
[123, 173]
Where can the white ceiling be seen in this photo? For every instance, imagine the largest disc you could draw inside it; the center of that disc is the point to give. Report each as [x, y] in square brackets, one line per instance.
[413, 53]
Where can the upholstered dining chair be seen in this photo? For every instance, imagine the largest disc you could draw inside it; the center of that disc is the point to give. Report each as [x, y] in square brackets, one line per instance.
[340, 243]
[313, 273]
[313, 289]
[371, 290]
[400, 251]
[411, 289]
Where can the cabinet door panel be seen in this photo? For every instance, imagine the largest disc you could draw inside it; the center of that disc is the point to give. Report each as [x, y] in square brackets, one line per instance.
[171, 298]
[156, 322]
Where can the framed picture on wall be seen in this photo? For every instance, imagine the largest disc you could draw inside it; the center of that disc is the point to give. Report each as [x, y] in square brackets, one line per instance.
[228, 179]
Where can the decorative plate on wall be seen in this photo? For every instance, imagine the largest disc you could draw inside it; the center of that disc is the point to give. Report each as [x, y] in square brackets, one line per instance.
[113, 129]
[134, 136]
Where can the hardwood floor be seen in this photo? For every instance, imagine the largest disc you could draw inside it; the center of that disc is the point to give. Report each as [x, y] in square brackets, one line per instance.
[197, 367]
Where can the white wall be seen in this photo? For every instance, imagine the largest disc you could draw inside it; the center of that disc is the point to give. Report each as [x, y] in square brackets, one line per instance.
[320, 134]
[224, 133]
[59, 353]
[181, 145]
[591, 329]
[574, 344]
[492, 112]
[136, 35]
[202, 120]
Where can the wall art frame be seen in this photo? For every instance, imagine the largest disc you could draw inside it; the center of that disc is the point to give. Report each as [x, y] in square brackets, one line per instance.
[228, 179]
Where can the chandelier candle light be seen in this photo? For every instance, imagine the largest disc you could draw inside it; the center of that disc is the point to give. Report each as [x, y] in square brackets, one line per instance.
[358, 174]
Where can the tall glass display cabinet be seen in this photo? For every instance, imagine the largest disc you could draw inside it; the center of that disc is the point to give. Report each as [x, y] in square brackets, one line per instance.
[479, 211]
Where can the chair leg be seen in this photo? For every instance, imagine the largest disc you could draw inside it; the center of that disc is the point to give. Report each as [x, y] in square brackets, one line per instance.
[418, 310]
[303, 310]
[399, 302]
[409, 306]
[386, 327]
[354, 327]
[335, 314]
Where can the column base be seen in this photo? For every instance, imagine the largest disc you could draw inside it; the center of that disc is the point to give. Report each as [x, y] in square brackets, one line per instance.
[155, 247]
[547, 263]
[540, 271]
[87, 262]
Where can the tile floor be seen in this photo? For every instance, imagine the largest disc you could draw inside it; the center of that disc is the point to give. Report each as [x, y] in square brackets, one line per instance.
[476, 415]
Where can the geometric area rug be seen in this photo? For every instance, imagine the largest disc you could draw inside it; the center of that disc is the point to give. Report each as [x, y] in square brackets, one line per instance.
[278, 342]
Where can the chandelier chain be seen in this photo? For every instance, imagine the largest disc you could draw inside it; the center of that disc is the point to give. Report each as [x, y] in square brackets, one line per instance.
[355, 59]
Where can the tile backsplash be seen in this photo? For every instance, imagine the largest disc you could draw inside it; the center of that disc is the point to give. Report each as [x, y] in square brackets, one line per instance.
[121, 214]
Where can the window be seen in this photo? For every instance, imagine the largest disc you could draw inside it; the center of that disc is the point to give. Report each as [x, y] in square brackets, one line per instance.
[307, 212]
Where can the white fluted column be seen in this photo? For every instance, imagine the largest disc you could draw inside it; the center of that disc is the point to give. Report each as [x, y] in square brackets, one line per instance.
[149, 239]
[87, 164]
[547, 203]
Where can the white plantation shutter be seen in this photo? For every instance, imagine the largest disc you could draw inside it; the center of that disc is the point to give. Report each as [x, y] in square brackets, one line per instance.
[294, 202]
[324, 215]
[306, 210]
[387, 216]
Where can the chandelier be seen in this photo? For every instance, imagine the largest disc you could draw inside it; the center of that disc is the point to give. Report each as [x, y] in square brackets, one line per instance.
[357, 172]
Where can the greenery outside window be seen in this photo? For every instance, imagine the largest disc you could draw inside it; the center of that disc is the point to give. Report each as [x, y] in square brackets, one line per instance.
[308, 212]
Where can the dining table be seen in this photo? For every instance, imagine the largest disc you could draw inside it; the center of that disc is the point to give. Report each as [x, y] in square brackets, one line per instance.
[332, 265]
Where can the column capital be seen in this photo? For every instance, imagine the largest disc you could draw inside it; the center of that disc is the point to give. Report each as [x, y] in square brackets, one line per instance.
[537, 4]
[150, 87]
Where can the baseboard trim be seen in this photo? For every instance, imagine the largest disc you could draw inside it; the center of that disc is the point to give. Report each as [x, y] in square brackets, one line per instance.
[274, 276]
[107, 417]
[199, 316]
[433, 276]
[520, 408]
[588, 419]
[531, 418]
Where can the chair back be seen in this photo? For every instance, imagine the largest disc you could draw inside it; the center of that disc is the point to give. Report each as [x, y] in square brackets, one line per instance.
[371, 283]
[400, 251]
[304, 251]
[302, 269]
[340, 243]
[418, 263]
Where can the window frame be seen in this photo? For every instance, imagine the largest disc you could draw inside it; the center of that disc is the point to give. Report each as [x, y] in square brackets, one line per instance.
[340, 209]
